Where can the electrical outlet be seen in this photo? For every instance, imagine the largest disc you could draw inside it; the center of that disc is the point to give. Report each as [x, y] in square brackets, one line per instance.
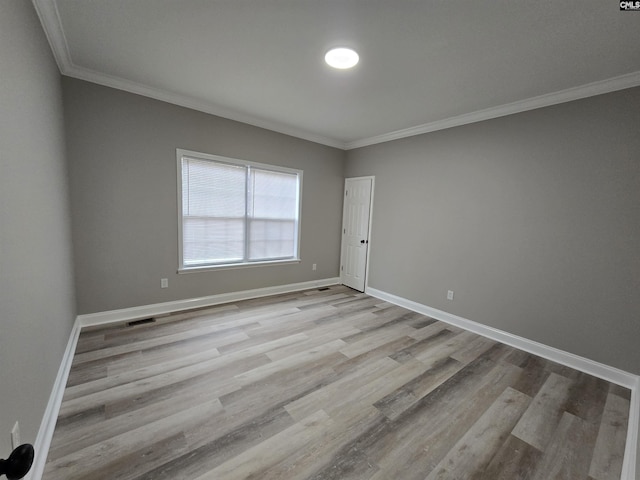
[450, 295]
[164, 283]
[15, 436]
[313, 267]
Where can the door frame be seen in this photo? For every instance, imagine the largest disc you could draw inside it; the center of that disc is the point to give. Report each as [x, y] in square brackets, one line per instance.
[373, 184]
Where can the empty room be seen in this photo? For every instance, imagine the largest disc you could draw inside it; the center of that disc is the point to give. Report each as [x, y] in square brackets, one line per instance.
[319, 239]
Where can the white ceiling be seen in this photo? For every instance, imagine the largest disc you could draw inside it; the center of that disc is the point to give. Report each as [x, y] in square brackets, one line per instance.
[424, 64]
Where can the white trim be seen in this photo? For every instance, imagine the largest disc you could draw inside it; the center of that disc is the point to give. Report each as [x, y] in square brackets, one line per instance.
[47, 426]
[576, 362]
[232, 266]
[196, 104]
[366, 267]
[48, 423]
[51, 23]
[49, 17]
[181, 152]
[369, 236]
[629, 465]
[126, 314]
[575, 93]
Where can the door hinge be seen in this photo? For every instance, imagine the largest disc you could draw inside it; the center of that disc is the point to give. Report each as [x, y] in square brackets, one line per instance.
[342, 268]
[346, 193]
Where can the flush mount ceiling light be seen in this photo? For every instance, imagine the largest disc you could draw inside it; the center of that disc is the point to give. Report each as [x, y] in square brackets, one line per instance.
[341, 58]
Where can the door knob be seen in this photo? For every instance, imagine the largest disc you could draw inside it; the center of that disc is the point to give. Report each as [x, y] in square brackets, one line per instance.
[19, 462]
[361, 241]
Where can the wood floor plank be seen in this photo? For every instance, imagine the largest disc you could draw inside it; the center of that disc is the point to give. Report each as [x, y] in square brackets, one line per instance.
[376, 339]
[427, 343]
[325, 397]
[541, 419]
[142, 386]
[132, 375]
[433, 328]
[96, 459]
[254, 460]
[587, 397]
[419, 439]
[79, 374]
[305, 463]
[152, 356]
[386, 350]
[317, 336]
[204, 456]
[326, 384]
[473, 349]
[398, 401]
[218, 382]
[515, 459]
[153, 342]
[608, 453]
[291, 362]
[534, 373]
[474, 450]
[569, 452]
[371, 392]
[69, 440]
[433, 355]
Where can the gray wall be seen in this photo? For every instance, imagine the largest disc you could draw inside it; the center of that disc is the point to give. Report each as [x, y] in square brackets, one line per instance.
[532, 219]
[36, 284]
[122, 166]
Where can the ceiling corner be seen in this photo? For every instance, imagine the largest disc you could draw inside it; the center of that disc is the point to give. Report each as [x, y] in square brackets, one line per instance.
[49, 16]
[609, 85]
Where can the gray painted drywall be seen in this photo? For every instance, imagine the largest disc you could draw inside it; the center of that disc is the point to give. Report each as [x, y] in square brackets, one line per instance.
[36, 284]
[532, 219]
[122, 170]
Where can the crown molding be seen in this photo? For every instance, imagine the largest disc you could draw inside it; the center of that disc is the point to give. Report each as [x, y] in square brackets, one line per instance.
[49, 16]
[195, 104]
[47, 11]
[52, 24]
[575, 93]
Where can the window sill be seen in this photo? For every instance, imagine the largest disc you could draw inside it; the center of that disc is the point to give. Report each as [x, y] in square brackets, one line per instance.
[232, 266]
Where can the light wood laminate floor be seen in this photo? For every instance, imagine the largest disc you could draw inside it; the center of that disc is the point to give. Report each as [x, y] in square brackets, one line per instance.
[327, 384]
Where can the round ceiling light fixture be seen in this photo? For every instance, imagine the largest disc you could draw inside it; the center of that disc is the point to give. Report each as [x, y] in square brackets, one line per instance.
[341, 58]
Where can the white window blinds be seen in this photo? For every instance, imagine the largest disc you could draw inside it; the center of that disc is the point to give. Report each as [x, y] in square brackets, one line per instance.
[237, 213]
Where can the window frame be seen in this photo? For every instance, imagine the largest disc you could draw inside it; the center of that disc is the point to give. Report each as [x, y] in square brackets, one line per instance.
[244, 263]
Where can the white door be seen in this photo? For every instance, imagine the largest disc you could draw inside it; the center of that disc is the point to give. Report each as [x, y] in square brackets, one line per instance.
[355, 231]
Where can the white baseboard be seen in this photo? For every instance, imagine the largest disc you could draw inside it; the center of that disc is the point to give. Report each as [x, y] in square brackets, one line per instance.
[576, 362]
[48, 424]
[630, 466]
[133, 313]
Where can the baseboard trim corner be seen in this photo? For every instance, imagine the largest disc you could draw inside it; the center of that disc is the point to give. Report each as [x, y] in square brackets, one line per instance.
[47, 426]
[50, 417]
[576, 362]
[630, 464]
[133, 313]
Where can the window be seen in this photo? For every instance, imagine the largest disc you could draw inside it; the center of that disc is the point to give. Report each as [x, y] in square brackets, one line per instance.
[234, 212]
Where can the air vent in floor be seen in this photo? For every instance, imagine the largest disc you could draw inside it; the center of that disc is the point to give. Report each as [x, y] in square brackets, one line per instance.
[141, 322]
